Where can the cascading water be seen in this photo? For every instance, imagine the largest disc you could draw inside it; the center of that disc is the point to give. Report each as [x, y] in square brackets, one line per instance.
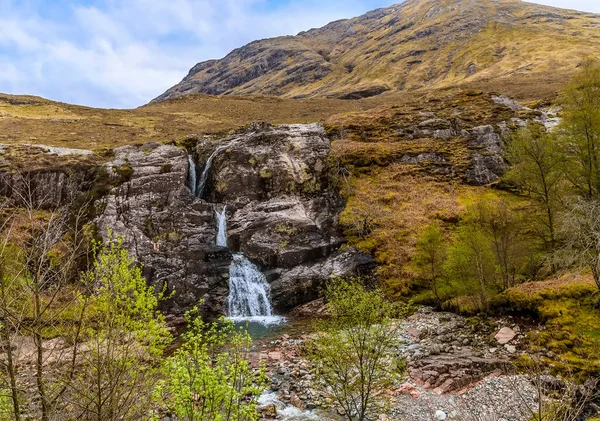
[249, 292]
[206, 170]
[192, 174]
[222, 227]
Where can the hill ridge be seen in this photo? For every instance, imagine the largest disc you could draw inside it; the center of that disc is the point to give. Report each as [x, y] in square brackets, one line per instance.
[407, 46]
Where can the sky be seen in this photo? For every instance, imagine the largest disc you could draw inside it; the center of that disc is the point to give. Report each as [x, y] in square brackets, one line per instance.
[123, 53]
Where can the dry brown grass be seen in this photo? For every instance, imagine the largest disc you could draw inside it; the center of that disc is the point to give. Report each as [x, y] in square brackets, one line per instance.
[528, 48]
[399, 201]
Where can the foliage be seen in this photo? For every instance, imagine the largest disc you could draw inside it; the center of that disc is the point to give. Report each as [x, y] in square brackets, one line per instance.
[581, 128]
[429, 258]
[537, 167]
[471, 265]
[209, 378]
[40, 250]
[354, 351]
[581, 231]
[504, 224]
[126, 339]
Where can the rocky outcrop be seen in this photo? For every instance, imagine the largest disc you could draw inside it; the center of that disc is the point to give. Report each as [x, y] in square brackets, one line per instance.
[488, 163]
[281, 213]
[166, 228]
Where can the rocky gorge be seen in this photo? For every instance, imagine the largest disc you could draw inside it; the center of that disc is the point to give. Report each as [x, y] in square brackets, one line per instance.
[271, 182]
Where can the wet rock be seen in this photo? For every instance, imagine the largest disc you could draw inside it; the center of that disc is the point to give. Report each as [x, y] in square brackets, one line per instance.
[268, 411]
[166, 228]
[282, 214]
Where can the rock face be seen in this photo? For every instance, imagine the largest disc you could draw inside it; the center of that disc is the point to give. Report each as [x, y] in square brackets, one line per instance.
[166, 228]
[281, 213]
[404, 47]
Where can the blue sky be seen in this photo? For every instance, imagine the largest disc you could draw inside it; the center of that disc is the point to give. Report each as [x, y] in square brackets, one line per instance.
[123, 53]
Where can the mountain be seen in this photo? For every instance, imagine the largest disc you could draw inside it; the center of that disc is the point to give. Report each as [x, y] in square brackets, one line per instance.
[416, 44]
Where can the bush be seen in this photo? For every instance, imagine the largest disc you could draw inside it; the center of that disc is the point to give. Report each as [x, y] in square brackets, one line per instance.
[354, 351]
[209, 378]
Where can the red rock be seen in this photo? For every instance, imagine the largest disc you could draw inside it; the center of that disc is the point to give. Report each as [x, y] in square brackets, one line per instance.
[295, 400]
[446, 387]
[408, 389]
[275, 355]
[413, 332]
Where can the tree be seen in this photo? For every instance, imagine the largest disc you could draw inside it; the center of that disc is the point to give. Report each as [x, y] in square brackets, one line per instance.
[210, 378]
[354, 351]
[537, 167]
[40, 252]
[430, 257]
[581, 231]
[125, 339]
[471, 265]
[581, 128]
[506, 230]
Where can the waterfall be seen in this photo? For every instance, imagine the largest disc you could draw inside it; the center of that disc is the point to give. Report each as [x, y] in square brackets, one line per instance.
[222, 227]
[249, 292]
[206, 170]
[192, 174]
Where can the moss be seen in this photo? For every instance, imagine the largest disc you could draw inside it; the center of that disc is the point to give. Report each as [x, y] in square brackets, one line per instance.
[566, 306]
[124, 172]
[148, 226]
[311, 186]
[221, 186]
[188, 143]
[287, 229]
[265, 173]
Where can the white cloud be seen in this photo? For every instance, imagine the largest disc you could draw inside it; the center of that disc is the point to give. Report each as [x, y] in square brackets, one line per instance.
[583, 5]
[113, 53]
[122, 54]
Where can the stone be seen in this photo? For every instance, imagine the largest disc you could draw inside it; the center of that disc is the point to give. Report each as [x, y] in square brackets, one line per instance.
[281, 213]
[268, 411]
[510, 348]
[408, 390]
[505, 335]
[440, 415]
[275, 355]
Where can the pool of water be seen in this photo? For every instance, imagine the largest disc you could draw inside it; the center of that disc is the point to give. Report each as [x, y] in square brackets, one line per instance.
[261, 327]
[265, 328]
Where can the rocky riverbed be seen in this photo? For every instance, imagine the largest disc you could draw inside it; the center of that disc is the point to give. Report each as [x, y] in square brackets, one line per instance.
[457, 368]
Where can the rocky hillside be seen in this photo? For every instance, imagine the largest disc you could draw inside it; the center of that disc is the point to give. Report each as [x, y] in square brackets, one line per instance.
[499, 44]
[280, 209]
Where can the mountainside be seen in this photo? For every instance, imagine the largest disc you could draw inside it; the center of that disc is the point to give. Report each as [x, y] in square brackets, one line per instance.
[416, 44]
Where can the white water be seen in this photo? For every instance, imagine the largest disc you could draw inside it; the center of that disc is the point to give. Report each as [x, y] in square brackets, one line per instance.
[249, 291]
[287, 412]
[222, 227]
[206, 170]
[192, 174]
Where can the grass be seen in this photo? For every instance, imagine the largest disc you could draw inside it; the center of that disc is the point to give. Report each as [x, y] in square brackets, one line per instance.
[566, 306]
[389, 201]
[432, 44]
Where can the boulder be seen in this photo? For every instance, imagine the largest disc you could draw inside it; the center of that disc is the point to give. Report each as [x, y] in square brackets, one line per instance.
[505, 335]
